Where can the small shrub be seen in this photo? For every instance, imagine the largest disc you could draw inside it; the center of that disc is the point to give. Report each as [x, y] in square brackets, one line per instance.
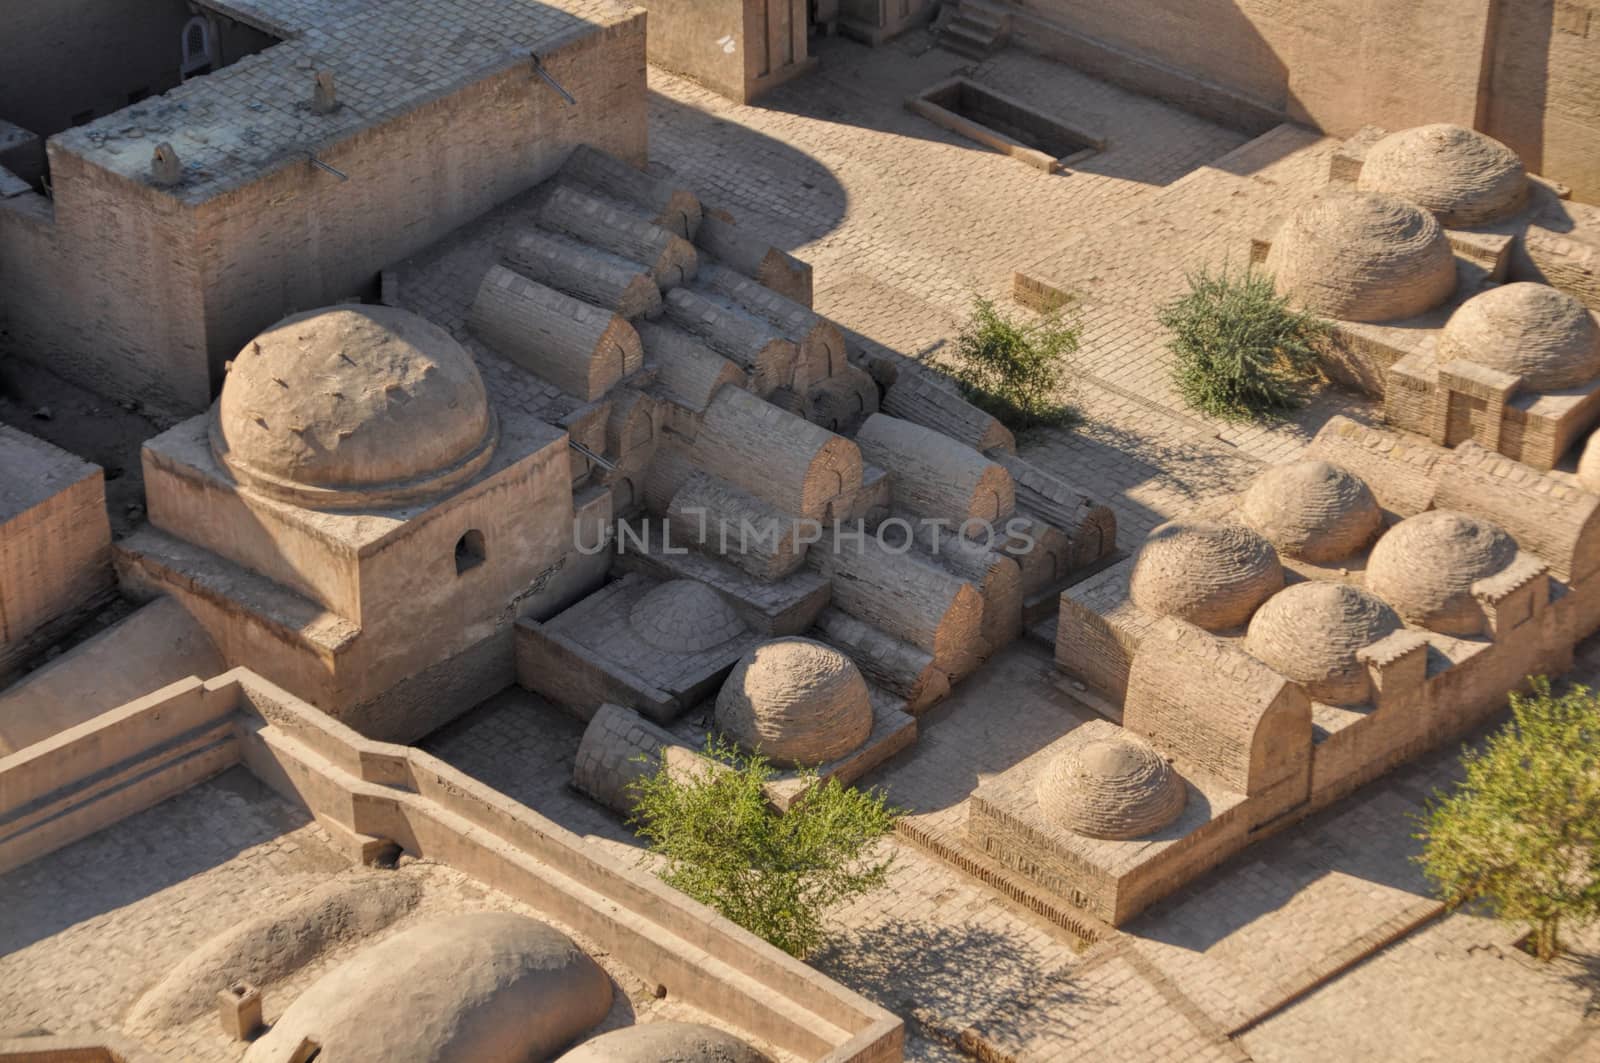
[776, 875]
[1522, 830]
[1240, 351]
[1017, 371]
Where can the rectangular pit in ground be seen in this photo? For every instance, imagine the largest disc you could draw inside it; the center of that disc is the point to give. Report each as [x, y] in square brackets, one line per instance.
[1005, 124]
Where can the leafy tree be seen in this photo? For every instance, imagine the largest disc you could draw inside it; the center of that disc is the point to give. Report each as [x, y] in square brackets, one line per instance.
[1240, 351]
[775, 874]
[1522, 830]
[1017, 370]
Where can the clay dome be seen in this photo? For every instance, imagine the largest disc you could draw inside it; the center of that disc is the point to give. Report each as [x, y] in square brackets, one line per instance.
[1462, 176]
[796, 700]
[1363, 258]
[1426, 565]
[664, 1042]
[1117, 788]
[684, 616]
[353, 406]
[1532, 331]
[1311, 632]
[486, 987]
[1312, 510]
[1212, 575]
[1589, 465]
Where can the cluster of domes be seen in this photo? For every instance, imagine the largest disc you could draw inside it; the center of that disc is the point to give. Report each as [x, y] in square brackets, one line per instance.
[1116, 788]
[1462, 176]
[1311, 632]
[797, 701]
[1363, 257]
[1312, 510]
[684, 616]
[353, 406]
[1426, 565]
[1533, 331]
[1213, 575]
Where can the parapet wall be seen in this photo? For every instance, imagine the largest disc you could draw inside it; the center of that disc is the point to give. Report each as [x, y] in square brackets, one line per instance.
[366, 793]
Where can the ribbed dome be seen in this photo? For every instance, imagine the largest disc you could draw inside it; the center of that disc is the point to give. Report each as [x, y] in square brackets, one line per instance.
[1363, 258]
[1426, 565]
[353, 406]
[1532, 331]
[1212, 575]
[1311, 632]
[684, 616]
[664, 1042]
[1117, 788]
[798, 701]
[1312, 510]
[1462, 176]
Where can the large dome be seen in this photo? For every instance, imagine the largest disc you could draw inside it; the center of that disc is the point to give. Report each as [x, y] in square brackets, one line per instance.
[353, 406]
[1212, 575]
[1532, 331]
[1311, 633]
[1117, 788]
[1312, 510]
[684, 616]
[797, 701]
[1462, 176]
[1363, 258]
[665, 1042]
[1426, 565]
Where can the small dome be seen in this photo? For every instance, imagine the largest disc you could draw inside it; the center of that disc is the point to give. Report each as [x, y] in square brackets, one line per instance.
[684, 616]
[1426, 565]
[664, 1042]
[353, 406]
[797, 701]
[1589, 465]
[1462, 176]
[1532, 331]
[1311, 632]
[1117, 788]
[1313, 510]
[1363, 258]
[1212, 575]
[484, 987]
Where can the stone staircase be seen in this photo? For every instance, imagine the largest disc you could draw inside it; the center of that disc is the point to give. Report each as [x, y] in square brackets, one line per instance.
[973, 28]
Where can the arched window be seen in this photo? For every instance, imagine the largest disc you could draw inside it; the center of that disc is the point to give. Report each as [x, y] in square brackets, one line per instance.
[469, 551]
[196, 47]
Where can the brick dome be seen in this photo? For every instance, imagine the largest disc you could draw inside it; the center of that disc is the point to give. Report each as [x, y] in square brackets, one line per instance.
[1116, 788]
[1532, 331]
[1462, 176]
[1363, 257]
[684, 616]
[1426, 565]
[1311, 633]
[1312, 510]
[798, 701]
[353, 406]
[1212, 575]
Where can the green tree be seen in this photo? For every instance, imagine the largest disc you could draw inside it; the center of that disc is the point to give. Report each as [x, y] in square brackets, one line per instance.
[1240, 351]
[775, 874]
[1522, 830]
[1017, 370]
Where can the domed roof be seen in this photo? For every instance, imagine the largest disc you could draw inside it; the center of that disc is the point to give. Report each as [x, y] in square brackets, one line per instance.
[353, 406]
[1117, 788]
[1311, 632]
[798, 701]
[1426, 565]
[1363, 258]
[1532, 331]
[490, 987]
[664, 1042]
[1462, 176]
[1212, 575]
[1589, 465]
[1312, 510]
[684, 616]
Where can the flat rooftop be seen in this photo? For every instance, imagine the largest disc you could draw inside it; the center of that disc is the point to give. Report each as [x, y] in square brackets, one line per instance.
[33, 471]
[387, 57]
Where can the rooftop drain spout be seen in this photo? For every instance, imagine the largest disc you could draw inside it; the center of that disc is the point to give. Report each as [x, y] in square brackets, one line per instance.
[591, 455]
[319, 164]
[538, 68]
